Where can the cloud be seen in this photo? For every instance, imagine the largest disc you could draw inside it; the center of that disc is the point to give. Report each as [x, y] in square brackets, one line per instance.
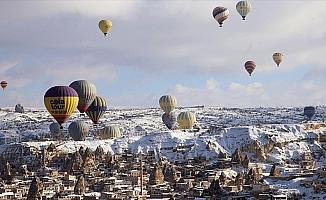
[251, 95]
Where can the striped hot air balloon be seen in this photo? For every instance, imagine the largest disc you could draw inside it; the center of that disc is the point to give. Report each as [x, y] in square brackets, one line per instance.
[61, 102]
[250, 66]
[78, 130]
[220, 14]
[105, 26]
[110, 132]
[86, 92]
[243, 8]
[186, 120]
[168, 103]
[97, 109]
[278, 57]
[309, 111]
[4, 84]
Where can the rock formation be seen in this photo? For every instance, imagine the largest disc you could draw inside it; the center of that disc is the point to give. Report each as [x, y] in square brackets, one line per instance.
[99, 153]
[245, 162]
[170, 174]
[156, 177]
[275, 171]
[35, 190]
[222, 179]
[80, 186]
[237, 156]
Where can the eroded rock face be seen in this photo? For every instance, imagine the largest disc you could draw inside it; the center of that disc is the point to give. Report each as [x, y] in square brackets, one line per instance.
[237, 156]
[35, 190]
[156, 177]
[170, 174]
[99, 153]
[215, 188]
[239, 179]
[275, 171]
[245, 162]
[76, 162]
[80, 187]
[222, 179]
[253, 176]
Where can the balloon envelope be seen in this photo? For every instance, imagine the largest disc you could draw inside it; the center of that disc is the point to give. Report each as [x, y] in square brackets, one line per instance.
[86, 92]
[250, 66]
[168, 103]
[105, 26]
[309, 111]
[169, 120]
[186, 120]
[4, 84]
[278, 57]
[61, 102]
[97, 109]
[220, 14]
[78, 130]
[110, 132]
[54, 128]
[243, 8]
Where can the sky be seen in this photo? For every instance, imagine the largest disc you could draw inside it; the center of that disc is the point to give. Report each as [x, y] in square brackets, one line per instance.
[165, 47]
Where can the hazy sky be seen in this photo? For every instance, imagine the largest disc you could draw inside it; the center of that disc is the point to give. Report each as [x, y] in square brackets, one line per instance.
[165, 47]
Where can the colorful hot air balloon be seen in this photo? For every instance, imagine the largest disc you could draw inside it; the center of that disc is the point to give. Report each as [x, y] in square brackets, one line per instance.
[105, 26]
[168, 103]
[86, 92]
[110, 132]
[250, 66]
[97, 109]
[220, 14]
[4, 84]
[309, 111]
[78, 130]
[61, 102]
[278, 57]
[170, 120]
[186, 120]
[243, 8]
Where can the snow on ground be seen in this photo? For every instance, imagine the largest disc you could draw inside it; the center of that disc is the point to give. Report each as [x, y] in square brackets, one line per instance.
[143, 129]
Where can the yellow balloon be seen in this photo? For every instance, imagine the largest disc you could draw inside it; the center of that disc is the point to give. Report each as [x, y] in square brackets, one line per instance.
[105, 26]
[168, 103]
[61, 102]
[186, 120]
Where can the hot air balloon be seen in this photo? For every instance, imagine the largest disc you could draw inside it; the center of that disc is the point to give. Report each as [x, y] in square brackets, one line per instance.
[4, 84]
[105, 26]
[170, 120]
[54, 129]
[250, 66]
[278, 57]
[220, 14]
[110, 132]
[61, 102]
[97, 109]
[78, 130]
[243, 8]
[186, 120]
[168, 103]
[309, 111]
[86, 92]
